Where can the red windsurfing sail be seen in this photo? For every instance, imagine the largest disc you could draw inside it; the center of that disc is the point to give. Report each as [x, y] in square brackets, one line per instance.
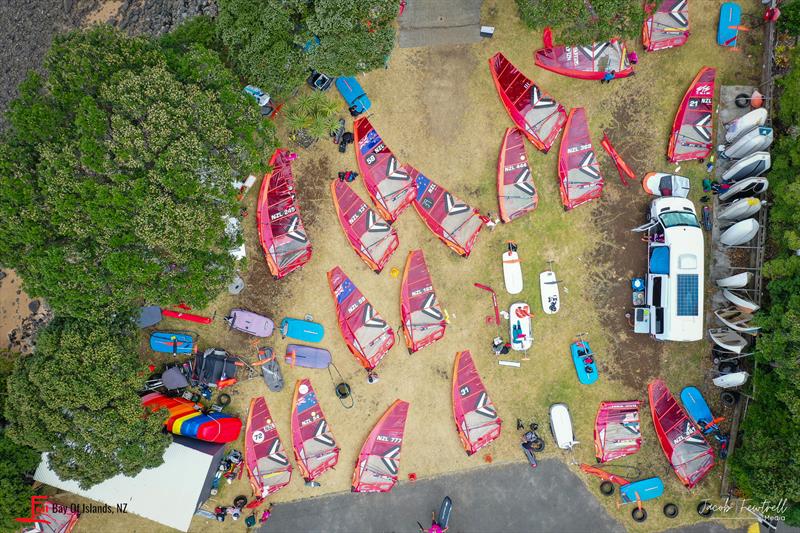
[267, 465]
[516, 192]
[534, 111]
[315, 449]
[666, 25]
[454, 222]
[476, 418]
[423, 318]
[578, 169]
[378, 462]
[372, 238]
[684, 445]
[586, 62]
[693, 126]
[280, 228]
[616, 430]
[388, 184]
[366, 333]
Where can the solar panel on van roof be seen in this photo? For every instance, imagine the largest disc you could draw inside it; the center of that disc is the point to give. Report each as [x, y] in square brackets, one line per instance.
[688, 294]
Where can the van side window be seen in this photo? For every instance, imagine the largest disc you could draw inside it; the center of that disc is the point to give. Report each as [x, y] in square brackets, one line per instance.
[657, 291]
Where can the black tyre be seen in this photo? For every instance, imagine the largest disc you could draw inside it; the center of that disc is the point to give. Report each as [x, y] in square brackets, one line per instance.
[704, 509]
[538, 445]
[729, 398]
[670, 510]
[606, 488]
[729, 367]
[639, 515]
[224, 399]
[240, 501]
[742, 100]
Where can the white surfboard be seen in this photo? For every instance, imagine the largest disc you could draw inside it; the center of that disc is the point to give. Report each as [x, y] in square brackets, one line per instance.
[548, 286]
[737, 281]
[512, 272]
[519, 326]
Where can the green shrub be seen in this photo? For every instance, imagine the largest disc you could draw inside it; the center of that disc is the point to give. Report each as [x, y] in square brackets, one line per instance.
[584, 21]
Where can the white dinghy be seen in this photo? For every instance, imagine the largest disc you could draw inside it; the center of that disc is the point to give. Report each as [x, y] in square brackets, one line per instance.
[735, 319]
[740, 301]
[740, 209]
[740, 233]
[728, 339]
[737, 281]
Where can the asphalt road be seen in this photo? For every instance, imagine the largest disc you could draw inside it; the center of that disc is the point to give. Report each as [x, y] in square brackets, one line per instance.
[507, 498]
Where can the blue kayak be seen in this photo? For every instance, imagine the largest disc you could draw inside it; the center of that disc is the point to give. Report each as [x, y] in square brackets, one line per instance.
[583, 359]
[644, 489]
[730, 16]
[302, 330]
[174, 343]
[698, 409]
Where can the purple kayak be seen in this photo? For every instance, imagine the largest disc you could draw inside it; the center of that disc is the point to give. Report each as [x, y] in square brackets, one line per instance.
[250, 323]
[307, 356]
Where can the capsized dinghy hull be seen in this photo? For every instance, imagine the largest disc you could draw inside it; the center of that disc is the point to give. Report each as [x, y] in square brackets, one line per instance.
[740, 233]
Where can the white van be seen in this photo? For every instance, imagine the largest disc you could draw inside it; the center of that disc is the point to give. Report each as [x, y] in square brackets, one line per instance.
[675, 270]
[561, 426]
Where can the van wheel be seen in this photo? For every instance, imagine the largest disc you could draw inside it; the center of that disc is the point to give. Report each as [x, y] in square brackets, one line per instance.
[670, 510]
[606, 488]
[639, 515]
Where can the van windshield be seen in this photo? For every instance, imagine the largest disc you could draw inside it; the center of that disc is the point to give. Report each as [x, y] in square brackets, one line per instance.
[679, 218]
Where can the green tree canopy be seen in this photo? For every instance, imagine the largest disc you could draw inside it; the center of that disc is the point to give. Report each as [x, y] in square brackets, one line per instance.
[274, 43]
[115, 173]
[766, 465]
[75, 398]
[581, 22]
[15, 463]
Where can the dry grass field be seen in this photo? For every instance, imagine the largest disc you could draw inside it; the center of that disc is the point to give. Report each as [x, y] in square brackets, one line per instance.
[437, 109]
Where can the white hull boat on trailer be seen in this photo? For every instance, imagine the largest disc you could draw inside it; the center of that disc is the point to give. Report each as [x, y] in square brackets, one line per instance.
[728, 381]
[740, 302]
[728, 339]
[737, 281]
[740, 233]
[755, 140]
[740, 209]
[738, 127]
[735, 319]
[746, 187]
[752, 165]
[663, 184]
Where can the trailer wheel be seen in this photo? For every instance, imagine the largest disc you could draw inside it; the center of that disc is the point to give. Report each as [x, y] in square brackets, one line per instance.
[727, 367]
[704, 509]
[670, 510]
[606, 488]
[224, 399]
[240, 501]
[538, 446]
[639, 515]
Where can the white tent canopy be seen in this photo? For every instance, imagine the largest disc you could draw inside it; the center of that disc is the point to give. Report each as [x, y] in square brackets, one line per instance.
[169, 494]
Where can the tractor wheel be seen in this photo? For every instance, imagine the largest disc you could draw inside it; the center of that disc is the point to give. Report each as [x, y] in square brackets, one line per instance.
[606, 488]
[639, 515]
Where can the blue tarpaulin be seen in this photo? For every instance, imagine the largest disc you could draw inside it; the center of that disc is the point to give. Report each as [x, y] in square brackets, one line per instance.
[659, 260]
